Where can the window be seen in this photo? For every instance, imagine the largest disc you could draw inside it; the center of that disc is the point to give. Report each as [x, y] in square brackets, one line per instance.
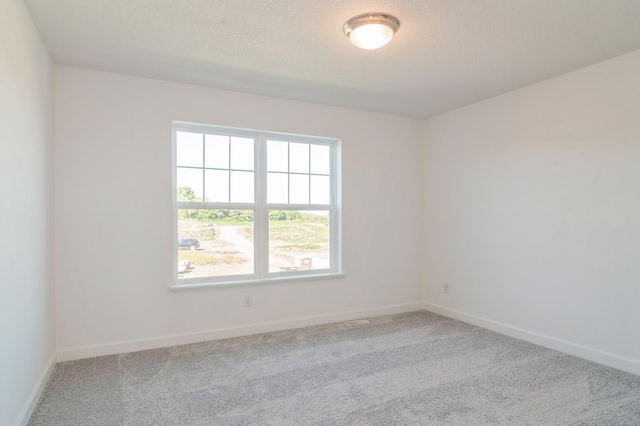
[253, 206]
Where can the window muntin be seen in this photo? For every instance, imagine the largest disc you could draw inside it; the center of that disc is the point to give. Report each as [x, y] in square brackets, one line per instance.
[218, 168]
[263, 206]
[298, 173]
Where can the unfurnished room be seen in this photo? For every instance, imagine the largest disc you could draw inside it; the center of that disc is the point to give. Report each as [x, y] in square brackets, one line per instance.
[336, 212]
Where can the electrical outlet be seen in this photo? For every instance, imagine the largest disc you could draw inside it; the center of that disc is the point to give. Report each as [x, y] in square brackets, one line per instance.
[248, 301]
[445, 288]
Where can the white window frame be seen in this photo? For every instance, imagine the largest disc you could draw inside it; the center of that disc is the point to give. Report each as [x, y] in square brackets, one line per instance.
[261, 209]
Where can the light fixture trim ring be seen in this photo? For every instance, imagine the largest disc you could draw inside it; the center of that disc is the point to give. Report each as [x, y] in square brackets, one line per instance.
[371, 18]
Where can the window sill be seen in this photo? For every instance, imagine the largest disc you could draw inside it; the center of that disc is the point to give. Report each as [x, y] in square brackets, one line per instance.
[276, 279]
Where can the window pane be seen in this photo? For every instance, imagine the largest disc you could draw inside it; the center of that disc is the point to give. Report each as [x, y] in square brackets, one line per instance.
[188, 149]
[213, 243]
[189, 179]
[277, 188]
[299, 158]
[320, 159]
[242, 187]
[298, 240]
[320, 189]
[216, 186]
[216, 151]
[277, 156]
[242, 154]
[299, 189]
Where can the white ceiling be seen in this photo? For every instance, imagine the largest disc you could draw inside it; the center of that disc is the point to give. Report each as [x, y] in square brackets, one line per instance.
[446, 54]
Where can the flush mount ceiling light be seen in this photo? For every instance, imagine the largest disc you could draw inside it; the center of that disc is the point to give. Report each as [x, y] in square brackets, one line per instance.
[371, 30]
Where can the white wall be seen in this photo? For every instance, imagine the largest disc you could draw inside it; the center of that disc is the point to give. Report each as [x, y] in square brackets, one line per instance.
[532, 209]
[114, 214]
[26, 300]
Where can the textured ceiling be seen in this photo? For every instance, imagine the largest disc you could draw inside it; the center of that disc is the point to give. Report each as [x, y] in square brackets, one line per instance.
[446, 54]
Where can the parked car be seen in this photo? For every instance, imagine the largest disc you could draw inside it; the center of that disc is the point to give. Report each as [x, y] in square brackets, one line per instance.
[189, 243]
[183, 266]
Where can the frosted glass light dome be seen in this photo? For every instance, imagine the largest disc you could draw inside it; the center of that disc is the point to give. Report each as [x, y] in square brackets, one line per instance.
[371, 30]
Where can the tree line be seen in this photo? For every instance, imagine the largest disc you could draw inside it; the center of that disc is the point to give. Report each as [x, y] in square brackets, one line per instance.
[186, 194]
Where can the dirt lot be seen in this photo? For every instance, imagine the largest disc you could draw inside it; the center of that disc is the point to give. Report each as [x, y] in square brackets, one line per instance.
[230, 251]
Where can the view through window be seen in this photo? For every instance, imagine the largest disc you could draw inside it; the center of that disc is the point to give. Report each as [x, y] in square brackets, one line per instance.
[252, 205]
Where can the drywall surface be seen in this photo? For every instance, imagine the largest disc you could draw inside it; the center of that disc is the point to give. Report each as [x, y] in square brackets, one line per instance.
[114, 217]
[26, 265]
[532, 208]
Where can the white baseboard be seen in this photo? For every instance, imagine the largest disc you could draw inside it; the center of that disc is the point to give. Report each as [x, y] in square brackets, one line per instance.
[27, 411]
[591, 354]
[223, 333]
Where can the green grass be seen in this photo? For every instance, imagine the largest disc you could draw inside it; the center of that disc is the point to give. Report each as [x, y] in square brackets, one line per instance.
[204, 234]
[218, 217]
[298, 235]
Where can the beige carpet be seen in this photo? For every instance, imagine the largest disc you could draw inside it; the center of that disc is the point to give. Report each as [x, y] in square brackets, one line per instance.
[410, 369]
